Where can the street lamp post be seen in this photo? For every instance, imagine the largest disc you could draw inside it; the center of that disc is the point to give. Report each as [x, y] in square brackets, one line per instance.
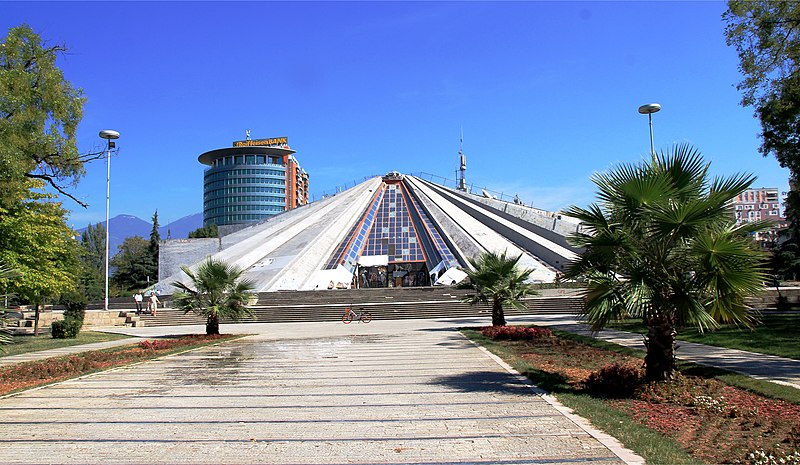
[648, 110]
[109, 136]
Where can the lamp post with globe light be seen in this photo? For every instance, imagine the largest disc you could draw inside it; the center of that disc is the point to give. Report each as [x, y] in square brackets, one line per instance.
[109, 136]
[648, 110]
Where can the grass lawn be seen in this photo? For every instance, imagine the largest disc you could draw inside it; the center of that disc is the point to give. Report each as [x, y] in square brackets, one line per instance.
[700, 418]
[777, 334]
[29, 343]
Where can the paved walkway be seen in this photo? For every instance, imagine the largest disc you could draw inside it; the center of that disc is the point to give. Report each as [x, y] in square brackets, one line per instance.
[765, 367]
[404, 391]
[412, 391]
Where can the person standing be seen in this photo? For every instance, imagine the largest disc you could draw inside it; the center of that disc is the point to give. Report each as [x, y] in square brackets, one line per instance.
[153, 303]
[138, 299]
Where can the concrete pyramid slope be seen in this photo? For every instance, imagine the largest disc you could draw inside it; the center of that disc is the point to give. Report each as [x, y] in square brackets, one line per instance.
[391, 231]
[285, 251]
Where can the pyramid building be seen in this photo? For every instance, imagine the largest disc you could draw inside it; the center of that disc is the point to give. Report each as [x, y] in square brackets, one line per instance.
[390, 231]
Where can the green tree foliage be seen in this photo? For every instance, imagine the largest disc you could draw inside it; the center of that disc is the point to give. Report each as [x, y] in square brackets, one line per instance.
[155, 238]
[766, 35]
[93, 256]
[218, 291]
[661, 245]
[498, 281]
[132, 265]
[37, 243]
[39, 114]
[206, 231]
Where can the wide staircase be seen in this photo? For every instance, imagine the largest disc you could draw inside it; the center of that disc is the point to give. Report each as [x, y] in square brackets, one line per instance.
[329, 305]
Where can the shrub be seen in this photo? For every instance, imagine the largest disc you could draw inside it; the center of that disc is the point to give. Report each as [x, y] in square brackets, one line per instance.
[66, 329]
[615, 381]
[516, 333]
[75, 304]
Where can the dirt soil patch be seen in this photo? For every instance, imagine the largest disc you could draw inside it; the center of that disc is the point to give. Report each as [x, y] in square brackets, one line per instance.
[27, 375]
[714, 422]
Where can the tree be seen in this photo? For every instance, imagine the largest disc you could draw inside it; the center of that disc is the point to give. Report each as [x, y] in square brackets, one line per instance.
[661, 245]
[39, 114]
[206, 231]
[132, 264]
[155, 238]
[219, 292]
[766, 35]
[93, 256]
[497, 280]
[37, 243]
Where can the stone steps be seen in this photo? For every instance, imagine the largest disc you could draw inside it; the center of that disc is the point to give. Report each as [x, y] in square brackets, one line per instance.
[293, 311]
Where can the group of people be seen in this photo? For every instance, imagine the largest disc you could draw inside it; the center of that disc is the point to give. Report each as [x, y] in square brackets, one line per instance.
[152, 303]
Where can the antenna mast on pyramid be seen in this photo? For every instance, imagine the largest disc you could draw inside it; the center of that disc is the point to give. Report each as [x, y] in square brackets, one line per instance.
[462, 159]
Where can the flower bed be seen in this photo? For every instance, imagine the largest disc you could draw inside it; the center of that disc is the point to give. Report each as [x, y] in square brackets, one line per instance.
[712, 421]
[516, 333]
[37, 373]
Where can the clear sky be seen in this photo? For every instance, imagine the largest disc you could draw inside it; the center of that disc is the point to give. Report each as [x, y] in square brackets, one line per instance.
[546, 92]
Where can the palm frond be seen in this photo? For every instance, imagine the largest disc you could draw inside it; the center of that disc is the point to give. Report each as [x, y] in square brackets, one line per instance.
[218, 290]
[662, 243]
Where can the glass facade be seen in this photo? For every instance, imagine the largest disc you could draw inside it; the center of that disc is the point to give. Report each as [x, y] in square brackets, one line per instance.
[348, 251]
[393, 233]
[243, 184]
[394, 226]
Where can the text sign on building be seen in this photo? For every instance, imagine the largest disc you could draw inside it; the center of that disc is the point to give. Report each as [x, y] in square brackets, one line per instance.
[272, 142]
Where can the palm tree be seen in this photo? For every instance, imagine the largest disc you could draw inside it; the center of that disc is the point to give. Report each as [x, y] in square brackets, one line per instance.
[661, 245]
[497, 279]
[218, 293]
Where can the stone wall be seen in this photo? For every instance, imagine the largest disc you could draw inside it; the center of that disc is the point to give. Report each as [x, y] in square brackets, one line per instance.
[174, 253]
[545, 219]
[768, 300]
[103, 318]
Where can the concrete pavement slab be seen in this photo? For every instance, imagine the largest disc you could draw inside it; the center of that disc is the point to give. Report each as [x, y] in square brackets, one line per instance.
[387, 392]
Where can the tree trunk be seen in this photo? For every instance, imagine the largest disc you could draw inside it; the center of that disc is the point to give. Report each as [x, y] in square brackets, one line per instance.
[660, 343]
[498, 316]
[212, 324]
[36, 320]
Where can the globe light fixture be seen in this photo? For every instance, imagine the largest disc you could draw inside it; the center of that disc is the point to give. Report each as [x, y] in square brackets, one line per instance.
[648, 110]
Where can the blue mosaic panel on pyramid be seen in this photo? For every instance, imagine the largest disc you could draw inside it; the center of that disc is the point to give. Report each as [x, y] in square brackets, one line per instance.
[352, 254]
[393, 226]
[441, 245]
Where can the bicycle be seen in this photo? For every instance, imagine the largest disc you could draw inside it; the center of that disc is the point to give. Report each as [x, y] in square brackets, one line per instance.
[350, 315]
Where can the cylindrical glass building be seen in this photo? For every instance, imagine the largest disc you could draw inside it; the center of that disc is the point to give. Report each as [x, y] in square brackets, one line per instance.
[250, 182]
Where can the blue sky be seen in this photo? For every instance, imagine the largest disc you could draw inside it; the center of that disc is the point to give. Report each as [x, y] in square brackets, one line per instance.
[546, 92]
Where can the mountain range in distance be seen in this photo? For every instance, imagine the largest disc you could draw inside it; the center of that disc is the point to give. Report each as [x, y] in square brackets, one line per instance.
[124, 226]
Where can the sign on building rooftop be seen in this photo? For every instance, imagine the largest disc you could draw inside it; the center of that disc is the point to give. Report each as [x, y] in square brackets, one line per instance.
[271, 142]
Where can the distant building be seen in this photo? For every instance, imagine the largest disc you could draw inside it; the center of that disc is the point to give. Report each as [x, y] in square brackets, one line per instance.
[389, 231]
[251, 181]
[760, 204]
